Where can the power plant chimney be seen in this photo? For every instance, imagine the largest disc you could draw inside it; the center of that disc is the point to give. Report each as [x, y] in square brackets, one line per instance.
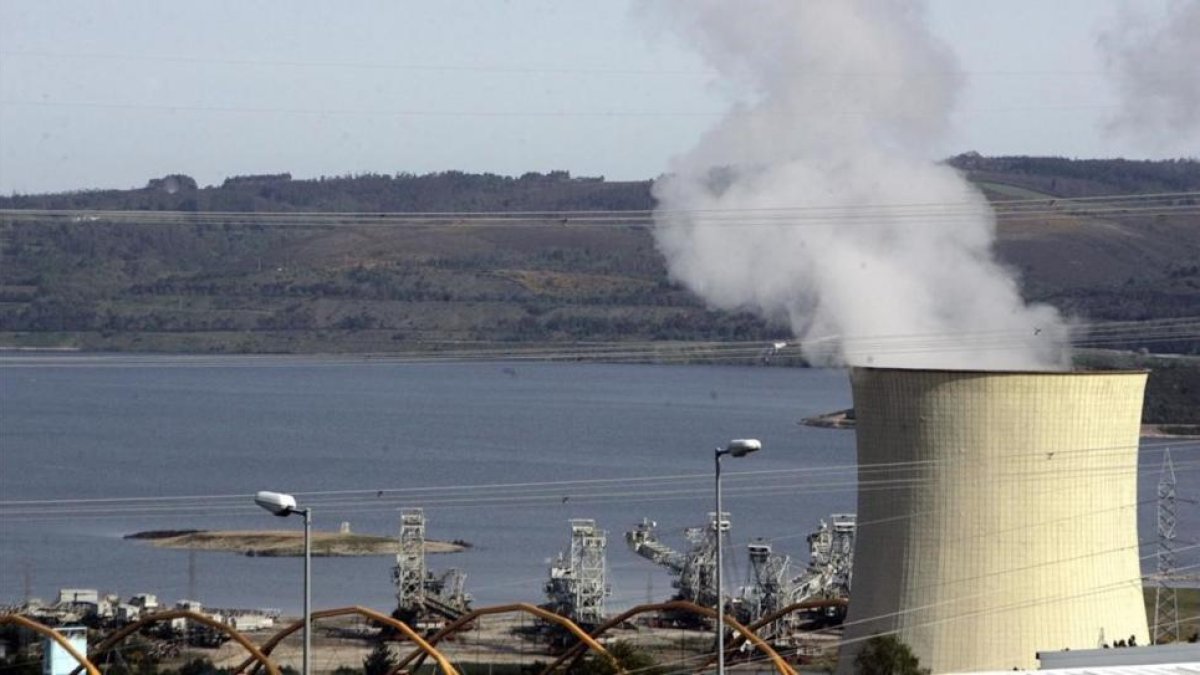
[996, 514]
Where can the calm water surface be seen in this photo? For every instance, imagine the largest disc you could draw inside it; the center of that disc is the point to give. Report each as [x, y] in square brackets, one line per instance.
[85, 427]
[499, 454]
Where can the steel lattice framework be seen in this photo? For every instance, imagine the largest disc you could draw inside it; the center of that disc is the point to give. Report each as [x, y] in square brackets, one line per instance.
[578, 582]
[409, 572]
[1166, 605]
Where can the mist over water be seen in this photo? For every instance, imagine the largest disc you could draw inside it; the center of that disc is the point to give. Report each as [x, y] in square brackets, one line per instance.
[815, 201]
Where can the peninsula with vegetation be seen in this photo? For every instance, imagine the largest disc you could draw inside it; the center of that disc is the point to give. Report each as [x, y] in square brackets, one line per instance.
[272, 543]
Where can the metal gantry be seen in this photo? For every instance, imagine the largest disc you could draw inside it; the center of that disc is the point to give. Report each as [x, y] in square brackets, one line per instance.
[409, 572]
[419, 592]
[830, 559]
[578, 582]
[771, 585]
[693, 571]
[1166, 605]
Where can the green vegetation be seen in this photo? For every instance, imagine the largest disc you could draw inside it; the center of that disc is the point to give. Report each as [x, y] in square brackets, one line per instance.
[434, 192]
[198, 666]
[1188, 600]
[111, 283]
[380, 661]
[887, 655]
[23, 652]
[1172, 390]
[631, 658]
[1064, 177]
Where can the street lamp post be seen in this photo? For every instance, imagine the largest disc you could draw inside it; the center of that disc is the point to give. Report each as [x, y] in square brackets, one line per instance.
[736, 448]
[284, 505]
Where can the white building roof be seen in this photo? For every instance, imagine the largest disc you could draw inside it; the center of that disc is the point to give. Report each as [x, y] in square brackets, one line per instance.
[1192, 668]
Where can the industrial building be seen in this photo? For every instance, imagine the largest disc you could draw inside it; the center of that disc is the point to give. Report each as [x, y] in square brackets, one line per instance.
[996, 514]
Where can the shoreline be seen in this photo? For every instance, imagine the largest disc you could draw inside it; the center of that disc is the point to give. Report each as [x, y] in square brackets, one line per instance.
[844, 420]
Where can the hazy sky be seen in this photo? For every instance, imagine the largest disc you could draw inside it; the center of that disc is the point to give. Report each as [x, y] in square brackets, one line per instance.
[110, 94]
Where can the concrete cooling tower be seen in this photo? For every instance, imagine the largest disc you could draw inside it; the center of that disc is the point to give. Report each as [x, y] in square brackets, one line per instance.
[996, 514]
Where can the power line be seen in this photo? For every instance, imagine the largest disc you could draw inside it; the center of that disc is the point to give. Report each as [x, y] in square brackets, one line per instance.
[767, 483]
[1097, 334]
[925, 214]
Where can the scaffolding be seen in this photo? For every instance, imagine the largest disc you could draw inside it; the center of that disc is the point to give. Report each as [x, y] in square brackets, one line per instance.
[695, 570]
[578, 582]
[770, 585]
[766, 589]
[420, 594]
[409, 573]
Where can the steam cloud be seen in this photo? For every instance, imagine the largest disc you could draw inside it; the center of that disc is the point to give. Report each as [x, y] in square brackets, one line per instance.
[1156, 67]
[814, 202]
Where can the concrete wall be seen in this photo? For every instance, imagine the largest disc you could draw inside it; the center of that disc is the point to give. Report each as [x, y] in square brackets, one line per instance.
[997, 514]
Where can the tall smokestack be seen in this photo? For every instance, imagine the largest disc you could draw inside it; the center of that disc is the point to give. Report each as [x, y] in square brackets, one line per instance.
[996, 514]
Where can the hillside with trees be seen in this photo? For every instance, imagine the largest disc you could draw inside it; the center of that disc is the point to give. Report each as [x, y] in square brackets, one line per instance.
[173, 266]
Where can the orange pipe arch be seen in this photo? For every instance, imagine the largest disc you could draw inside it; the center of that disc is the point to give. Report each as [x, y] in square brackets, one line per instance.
[233, 633]
[454, 626]
[778, 614]
[18, 620]
[422, 645]
[575, 652]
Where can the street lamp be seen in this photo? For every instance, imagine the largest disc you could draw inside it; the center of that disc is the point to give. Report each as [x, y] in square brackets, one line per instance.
[283, 505]
[737, 448]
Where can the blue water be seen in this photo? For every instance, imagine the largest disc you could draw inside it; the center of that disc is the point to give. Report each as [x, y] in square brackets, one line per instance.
[80, 427]
[498, 454]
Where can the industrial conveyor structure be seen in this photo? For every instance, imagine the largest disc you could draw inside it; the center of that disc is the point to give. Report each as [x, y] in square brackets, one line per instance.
[578, 582]
[693, 570]
[770, 586]
[420, 594]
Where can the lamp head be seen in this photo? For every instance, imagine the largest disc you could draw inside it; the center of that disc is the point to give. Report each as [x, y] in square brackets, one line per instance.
[276, 502]
[740, 447]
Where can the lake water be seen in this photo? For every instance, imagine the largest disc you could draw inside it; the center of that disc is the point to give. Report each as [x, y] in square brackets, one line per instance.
[498, 454]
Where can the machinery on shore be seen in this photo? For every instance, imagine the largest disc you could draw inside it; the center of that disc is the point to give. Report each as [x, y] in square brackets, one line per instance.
[694, 569]
[421, 596]
[578, 582]
[770, 586]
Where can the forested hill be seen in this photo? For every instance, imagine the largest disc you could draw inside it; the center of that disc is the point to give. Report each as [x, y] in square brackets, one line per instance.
[559, 191]
[445, 191]
[220, 283]
[1061, 177]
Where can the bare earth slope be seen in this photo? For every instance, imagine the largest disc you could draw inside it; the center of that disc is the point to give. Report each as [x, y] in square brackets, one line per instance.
[166, 280]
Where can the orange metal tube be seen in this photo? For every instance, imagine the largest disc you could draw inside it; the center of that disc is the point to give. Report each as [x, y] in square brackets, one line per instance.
[18, 620]
[465, 619]
[573, 654]
[422, 644]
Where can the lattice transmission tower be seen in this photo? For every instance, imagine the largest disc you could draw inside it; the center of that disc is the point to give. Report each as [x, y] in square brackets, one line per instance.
[1166, 605]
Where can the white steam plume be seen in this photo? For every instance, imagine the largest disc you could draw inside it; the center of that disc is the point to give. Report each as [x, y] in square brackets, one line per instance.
[1155, 63]
[802, 202]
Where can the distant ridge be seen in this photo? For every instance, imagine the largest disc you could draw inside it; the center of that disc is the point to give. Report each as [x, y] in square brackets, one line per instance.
[214, 285]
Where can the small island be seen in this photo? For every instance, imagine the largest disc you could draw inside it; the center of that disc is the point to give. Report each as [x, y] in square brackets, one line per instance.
[273, 543]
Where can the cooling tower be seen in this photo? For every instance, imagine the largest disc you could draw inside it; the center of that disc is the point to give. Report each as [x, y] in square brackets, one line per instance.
[996, 514]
